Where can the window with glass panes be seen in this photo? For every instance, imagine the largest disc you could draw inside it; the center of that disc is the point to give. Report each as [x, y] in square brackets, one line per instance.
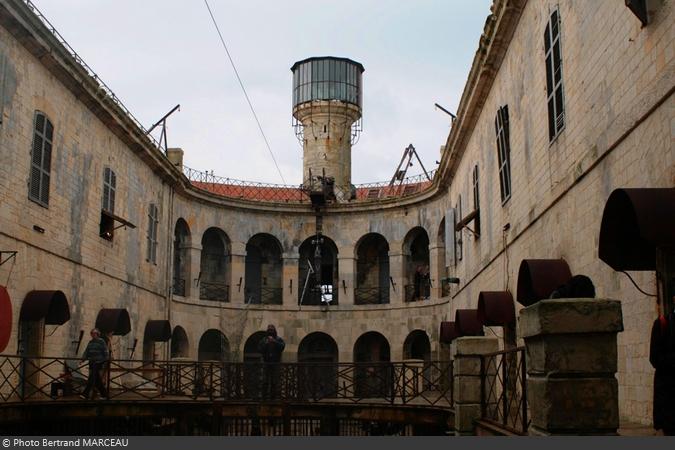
[109, 186]
[554, 80]
[503, 152]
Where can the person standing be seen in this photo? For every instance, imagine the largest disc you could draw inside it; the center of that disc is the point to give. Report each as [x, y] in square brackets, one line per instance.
[105, 370]
[662, 358]
[271, 347]
[97, 355]
[417, 284]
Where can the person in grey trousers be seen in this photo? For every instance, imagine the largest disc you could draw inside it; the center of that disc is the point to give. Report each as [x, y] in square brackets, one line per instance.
[97, 355]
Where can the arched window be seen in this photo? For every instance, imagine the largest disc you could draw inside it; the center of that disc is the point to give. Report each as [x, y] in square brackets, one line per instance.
[318, 370]
[180, 346]
[320, 284]
[213, 346]
[372, 270]
[181, 261]
[416, 251]
[214, 266]
[263, 270]
[373, 376]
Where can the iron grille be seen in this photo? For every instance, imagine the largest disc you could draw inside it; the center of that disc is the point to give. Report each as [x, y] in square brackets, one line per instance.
[504, 390]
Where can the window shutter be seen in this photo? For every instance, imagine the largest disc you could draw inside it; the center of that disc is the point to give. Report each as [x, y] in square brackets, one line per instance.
[41, 159]
[450, 237]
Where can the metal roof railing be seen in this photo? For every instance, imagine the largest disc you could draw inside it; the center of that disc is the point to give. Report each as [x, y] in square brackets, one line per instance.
[270, 192]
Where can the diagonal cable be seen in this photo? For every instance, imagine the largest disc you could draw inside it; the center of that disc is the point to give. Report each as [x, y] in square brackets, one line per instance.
[248, 100]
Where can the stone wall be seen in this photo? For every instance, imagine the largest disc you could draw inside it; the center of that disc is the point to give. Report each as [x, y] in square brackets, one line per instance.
[618, 110]
[618, 133]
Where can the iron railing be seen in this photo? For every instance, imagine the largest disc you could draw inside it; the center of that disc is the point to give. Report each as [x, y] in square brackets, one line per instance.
[271, 192]
[179, 286]
[504, 390]
[420, 383]
[445, 289]
[371, 295]
[416, 293]
[264, 295]
[213, 290]
[381, 189]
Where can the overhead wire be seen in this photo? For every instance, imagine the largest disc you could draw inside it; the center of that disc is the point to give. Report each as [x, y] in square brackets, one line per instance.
[248, 100]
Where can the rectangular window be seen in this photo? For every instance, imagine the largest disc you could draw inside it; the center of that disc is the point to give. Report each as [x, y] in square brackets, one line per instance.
[476, 200]
[107, 225]
[109, 186]
[503, 152]
[153, 221]
[41, 159]
[554, 84]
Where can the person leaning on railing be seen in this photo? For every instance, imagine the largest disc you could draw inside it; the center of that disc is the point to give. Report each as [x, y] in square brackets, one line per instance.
[97, 355]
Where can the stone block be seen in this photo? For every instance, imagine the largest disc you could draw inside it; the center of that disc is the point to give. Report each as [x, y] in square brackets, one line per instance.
[466, 389]
[466, 365]
[474, 345]
[465, 415]
[576, 315]
[572, 353]
[574, 405]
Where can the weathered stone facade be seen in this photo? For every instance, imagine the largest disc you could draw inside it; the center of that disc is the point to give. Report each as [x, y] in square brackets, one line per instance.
[618, 132]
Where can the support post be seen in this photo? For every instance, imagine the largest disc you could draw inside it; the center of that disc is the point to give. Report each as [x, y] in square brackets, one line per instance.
[571, 362]
[467, 383]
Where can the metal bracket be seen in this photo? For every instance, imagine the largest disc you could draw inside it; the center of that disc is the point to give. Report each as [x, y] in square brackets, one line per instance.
[11, 254]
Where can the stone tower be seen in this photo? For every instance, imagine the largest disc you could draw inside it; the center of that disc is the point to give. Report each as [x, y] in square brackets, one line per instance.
[327, 118]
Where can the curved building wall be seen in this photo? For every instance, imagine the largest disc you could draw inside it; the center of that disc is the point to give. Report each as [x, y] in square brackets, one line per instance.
[618, 111]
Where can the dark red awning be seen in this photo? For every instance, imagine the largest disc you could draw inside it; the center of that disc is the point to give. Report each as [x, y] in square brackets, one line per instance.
[115, 320]
[5, 318]
[52, 306]
[538, 278]
[496, 308]
[467, 324]
[634, 223]
[448, 332]
[157, 330]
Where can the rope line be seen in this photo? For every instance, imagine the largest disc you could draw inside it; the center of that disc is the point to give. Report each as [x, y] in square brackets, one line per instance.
[248, 100]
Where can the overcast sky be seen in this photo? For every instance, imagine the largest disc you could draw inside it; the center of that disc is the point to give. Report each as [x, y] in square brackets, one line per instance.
[155, 54]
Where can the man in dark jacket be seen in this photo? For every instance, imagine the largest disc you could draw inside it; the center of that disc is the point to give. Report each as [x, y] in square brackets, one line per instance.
[270, 347]
[97, 355]
[662, 357]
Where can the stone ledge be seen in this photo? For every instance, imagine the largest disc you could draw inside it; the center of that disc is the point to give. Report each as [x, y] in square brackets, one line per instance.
[576, 315]
[474, 345]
